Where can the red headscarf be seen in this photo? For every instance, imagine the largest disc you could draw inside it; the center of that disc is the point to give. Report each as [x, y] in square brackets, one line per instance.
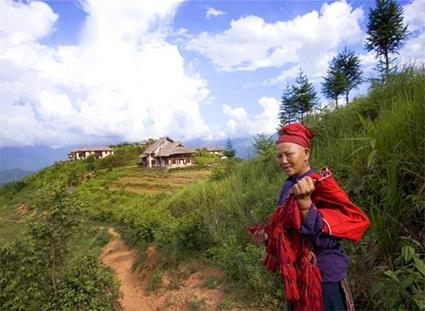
[295, 133]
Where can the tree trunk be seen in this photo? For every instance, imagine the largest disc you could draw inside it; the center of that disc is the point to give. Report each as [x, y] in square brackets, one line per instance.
[336, 103]
[387, 64]
[346, 97]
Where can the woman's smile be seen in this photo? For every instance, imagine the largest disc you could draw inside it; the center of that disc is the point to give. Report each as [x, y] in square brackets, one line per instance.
[286, 168]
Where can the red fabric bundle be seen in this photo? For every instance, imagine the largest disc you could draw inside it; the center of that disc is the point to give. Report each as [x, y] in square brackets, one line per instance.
[342, 218]
[292, 254]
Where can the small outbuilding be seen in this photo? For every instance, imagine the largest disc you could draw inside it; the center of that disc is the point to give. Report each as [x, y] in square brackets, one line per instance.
[215, 150]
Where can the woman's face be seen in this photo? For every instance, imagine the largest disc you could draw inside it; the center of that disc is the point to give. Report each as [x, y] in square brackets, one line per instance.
[292, 158]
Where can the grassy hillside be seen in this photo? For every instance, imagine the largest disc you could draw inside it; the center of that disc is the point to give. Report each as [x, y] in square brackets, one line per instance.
[55, 223]
[375, 148]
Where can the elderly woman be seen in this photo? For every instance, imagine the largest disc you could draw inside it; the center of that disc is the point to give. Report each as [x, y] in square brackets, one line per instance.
[304, 232]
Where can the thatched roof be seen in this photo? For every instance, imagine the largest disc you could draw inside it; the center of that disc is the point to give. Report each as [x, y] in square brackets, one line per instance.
[172, 148]
[165, 147]
[156, 144]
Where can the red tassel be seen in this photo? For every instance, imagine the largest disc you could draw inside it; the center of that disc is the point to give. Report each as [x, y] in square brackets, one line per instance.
[287, 250]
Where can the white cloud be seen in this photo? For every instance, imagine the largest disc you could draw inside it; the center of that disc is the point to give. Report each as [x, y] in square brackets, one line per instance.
[122, 80]
[414, 15]
[307, 41]
[38, 17]
[240, 124]
[285, 75]
[413, 50]
[211, 12]
[237, 113]
[368, 62]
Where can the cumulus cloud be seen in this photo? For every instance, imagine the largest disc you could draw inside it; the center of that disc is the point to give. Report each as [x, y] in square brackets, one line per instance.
[413, 50]
[237, 113]
[122, 80]
[309, 40]
[241, 124]
[211, 12]
[38, 17]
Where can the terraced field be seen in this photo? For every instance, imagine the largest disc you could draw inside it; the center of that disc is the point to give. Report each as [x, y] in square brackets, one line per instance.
[154, 182]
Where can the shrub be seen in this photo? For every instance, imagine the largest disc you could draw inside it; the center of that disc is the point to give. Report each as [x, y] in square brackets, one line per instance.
[88, 286]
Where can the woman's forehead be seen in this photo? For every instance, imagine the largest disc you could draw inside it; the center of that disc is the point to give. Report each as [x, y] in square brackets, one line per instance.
[288, 147]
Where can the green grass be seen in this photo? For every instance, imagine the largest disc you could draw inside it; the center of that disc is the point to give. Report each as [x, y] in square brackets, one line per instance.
[91, 237]
[197, 305]
[155, 282]
[10, 230]
[212, 281]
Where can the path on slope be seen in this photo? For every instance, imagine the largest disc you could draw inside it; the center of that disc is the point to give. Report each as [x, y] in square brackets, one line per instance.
[118, 256]
[133, 284]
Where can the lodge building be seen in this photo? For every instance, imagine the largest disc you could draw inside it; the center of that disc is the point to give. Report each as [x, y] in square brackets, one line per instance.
[166, 152]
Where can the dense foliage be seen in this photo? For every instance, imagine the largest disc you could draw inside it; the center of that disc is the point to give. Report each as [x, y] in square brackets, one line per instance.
[42, 270]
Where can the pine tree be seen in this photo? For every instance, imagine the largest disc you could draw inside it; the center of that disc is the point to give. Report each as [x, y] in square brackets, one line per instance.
[264, 146]
[386, 32]
[288, 109]
[348, 63]
[229, 151]
[344, 74]
[304, 95]
[335, 83]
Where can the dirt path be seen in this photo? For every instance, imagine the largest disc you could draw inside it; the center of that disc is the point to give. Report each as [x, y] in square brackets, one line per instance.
[118, 256]
[190, 289]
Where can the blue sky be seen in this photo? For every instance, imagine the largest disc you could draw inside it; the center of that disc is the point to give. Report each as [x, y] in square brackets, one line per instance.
[103, 71]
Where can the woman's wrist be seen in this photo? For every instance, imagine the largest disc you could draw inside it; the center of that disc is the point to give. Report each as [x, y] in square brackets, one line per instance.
[305, 204]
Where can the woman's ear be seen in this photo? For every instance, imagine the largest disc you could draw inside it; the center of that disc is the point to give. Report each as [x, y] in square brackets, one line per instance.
[307, 152]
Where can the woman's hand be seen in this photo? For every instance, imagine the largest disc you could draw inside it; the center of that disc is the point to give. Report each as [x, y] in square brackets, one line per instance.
[259, 236]
[302, 191]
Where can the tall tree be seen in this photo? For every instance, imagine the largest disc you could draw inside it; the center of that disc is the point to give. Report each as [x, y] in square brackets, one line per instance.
[229, 151]
[343, 75]
[288, 109]
[264, 146]
[304, 95]
[386, 32]
[335, 83]
[348, 63]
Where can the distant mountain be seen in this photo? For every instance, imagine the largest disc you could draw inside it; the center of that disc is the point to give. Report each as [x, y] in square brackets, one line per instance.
[31, 158]
[243, 146]
[12, 175]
